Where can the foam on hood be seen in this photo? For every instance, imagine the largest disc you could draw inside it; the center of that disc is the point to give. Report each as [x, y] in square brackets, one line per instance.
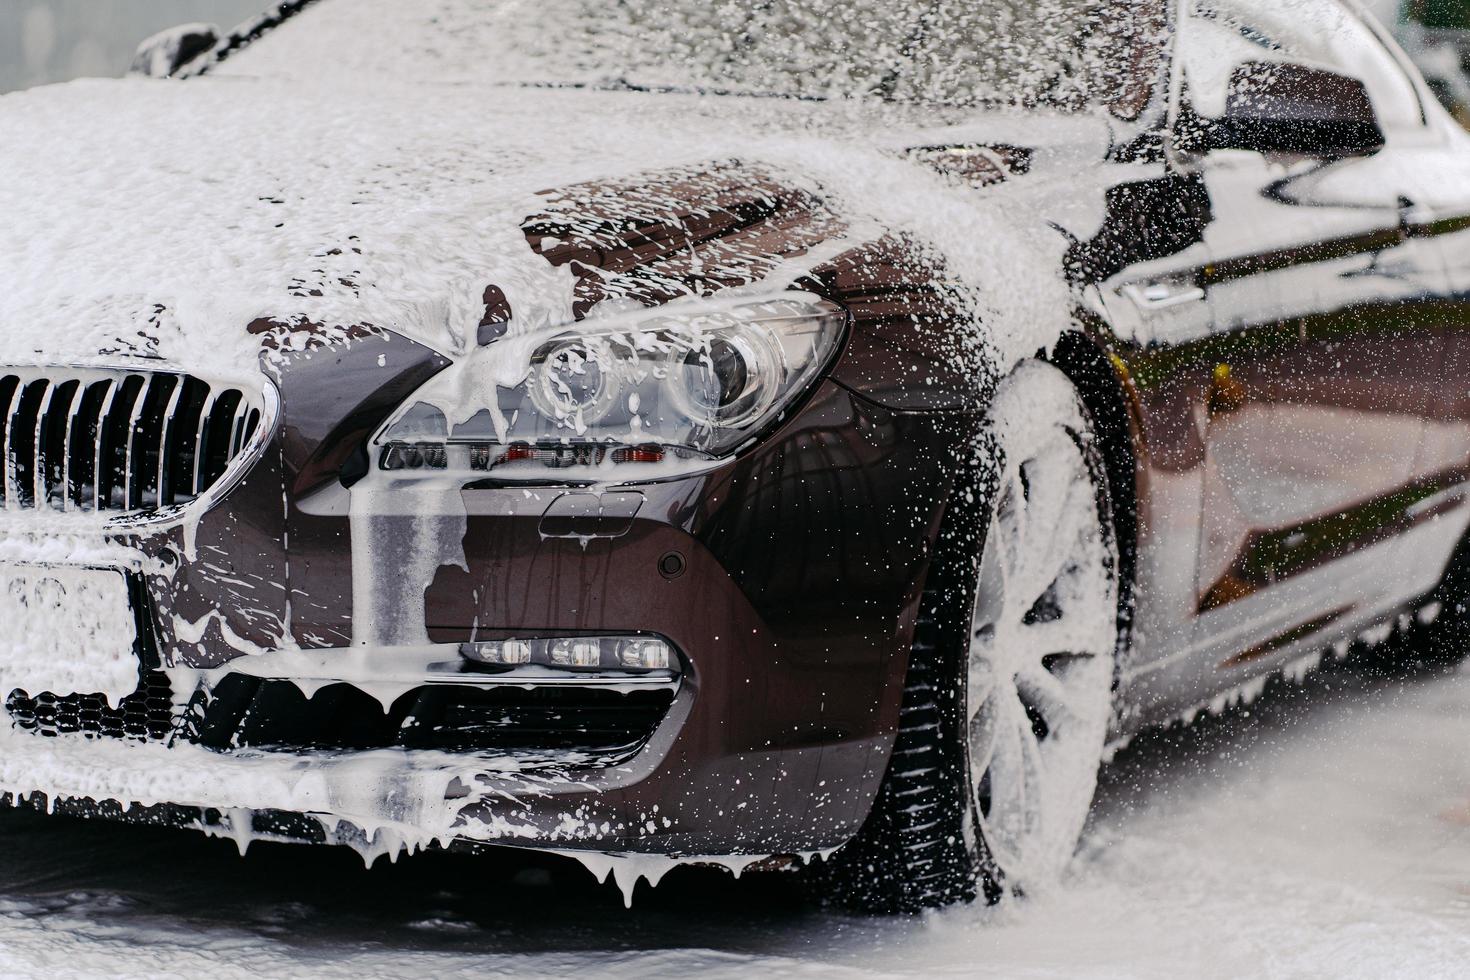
[160, 218]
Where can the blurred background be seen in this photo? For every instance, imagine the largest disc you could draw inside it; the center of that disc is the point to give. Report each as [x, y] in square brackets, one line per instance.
[53, 40]
[1436, 34]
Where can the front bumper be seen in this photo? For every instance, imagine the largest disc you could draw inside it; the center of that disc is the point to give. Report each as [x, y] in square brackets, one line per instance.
[800, 571]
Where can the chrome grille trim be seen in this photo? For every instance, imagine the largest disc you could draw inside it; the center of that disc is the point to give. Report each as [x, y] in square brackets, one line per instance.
[121, 441]
[11, 388]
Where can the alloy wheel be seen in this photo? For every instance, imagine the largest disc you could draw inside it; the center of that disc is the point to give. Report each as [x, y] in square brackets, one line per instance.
[1043, 638]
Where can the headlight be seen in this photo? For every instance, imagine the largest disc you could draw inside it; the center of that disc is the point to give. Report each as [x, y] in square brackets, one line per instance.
[694, 383]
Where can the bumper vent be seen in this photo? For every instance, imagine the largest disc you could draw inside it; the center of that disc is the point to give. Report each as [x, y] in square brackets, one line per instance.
[597, 727]
[143, 716]
[590, 727]
[117, 441]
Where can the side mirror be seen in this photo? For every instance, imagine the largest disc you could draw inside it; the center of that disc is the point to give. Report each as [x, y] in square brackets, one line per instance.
[163, 54]
[1285, 108]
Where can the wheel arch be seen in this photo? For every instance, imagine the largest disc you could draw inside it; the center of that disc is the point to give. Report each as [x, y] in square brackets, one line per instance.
[1084, 359]
[1086, 363]
[869, 870]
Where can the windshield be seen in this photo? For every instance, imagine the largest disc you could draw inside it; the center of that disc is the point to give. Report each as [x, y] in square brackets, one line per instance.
[1064, 54]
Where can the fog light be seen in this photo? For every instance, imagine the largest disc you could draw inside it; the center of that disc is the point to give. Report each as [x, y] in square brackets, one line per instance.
[644, 654]
[610, 654]
[576, 653]
[507, 653]
[414, 456]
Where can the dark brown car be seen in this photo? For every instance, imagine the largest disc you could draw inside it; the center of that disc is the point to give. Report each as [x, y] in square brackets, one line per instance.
[716, 432]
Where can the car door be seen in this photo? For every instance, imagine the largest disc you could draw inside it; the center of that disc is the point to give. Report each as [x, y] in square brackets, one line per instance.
[1312, 418]
[1142, 265]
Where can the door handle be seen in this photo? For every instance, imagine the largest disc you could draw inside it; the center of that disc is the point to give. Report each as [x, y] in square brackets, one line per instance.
[1161, 294]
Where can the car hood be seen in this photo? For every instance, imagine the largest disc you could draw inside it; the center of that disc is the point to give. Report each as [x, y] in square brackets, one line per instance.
[159, 219]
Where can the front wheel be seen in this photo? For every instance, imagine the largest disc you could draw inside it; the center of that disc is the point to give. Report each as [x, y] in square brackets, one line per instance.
[1007, 701]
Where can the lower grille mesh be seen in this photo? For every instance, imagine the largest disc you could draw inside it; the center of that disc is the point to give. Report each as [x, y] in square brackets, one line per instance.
[246, 712]
[274, 715]
[143, 716]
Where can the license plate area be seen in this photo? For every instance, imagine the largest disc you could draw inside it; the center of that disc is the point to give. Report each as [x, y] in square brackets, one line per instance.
[67, 629]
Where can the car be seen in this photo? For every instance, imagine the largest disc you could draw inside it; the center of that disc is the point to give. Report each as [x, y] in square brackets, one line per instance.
[795, 434]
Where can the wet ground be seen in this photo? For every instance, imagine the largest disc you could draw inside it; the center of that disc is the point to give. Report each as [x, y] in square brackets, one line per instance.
[1322, 831]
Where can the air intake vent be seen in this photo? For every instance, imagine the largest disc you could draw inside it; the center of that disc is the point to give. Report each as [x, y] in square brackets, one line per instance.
[145, 715]
[117, 441]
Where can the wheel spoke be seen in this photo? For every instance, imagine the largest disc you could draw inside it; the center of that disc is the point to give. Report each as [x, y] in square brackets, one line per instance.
[983, 734]
[983, 682]
[1045, 693]
[1009, 530]
[1007, 785]
[1075, 635]
[1033, 772]
[990, 597]
[1064, 516]
[1011, 782]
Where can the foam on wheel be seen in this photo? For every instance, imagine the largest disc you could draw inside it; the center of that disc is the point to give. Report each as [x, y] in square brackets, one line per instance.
[1009, 687]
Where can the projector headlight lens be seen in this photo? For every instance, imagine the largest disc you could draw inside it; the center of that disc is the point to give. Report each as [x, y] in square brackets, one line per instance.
[697, 381]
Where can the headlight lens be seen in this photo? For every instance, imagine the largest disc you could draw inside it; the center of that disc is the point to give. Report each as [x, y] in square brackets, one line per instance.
[645, 388]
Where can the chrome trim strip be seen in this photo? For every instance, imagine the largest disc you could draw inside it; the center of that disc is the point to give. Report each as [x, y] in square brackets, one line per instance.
[38, 457]
[112, 388]
[263, 399]
[132, 436]
[12, 471]
[209, 399]
[73, 416]
[166, 429]
[265, 431]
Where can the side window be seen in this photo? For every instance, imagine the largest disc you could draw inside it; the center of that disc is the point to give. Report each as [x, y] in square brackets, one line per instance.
[1218, 35]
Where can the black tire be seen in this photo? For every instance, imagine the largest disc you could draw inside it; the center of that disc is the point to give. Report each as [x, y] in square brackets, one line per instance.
[1446, 640]
[912, 852]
